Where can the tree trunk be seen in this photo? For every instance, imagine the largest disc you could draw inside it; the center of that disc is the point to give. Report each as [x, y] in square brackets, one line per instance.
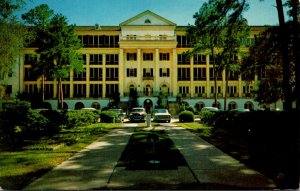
[43, 88]
[284, 53]
[226, 87]
[61, 94]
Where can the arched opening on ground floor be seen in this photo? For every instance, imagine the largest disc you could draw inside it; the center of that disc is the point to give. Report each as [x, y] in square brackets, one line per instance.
[199, 105]
[249, 105]
[96, 105]
[232, 105]
[79, 105]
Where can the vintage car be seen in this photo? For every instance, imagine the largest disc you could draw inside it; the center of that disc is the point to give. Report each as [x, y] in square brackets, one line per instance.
[137, 114]
[120, 113]
[162, 115]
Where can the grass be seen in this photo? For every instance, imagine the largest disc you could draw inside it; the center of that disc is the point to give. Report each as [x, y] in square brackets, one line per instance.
[149, 150]
[21, 165]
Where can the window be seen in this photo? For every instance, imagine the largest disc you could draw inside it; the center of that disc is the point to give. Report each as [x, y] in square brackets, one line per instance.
[80, 76]
[199, 59]
[183, 41]
[248, 105]
[66, 90]
[83, 58]
[148, 56]
[164, 72]
[232, 105]
[147, 21]
[48, 91]
[183, 59]
[96, 74]
[131, 72]
[30, 59]
[98, 41]
[199, 89]
[96, 59]
[219, 89]
[211, 74]
[199, 74]
[183, 74]
[147, 73]
[131, 56]
[231, 90]
[233, 76]
[28, 75]
[95, 90]
[112, 59]
[79, 90]
[31, 88]
[112, 74]
[164, 56]
[247, 89]
[111, 89]
[184, 89]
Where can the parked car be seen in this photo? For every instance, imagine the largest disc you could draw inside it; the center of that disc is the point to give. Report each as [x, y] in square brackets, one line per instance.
[120, 113]
[211, 109]
[137, 114]
[239, 110]
[162, 115]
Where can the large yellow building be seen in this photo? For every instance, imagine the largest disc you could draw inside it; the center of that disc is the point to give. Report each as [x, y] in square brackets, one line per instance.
[144, 53]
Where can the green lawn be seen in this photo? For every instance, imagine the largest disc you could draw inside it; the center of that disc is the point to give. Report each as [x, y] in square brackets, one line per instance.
[20, 165]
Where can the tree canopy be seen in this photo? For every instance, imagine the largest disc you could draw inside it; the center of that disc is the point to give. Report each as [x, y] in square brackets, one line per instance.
[13, 35]
[223, 19]
[57, 43]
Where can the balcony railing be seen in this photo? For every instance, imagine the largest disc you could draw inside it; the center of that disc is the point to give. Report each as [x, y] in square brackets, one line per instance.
[148, 78]
[150, 94]
[147, 38]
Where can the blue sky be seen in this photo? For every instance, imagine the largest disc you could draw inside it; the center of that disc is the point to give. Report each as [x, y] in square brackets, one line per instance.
[114, 12]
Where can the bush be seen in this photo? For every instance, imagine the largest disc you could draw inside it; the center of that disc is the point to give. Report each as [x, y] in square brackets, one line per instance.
[80, 118]
[190, 108]
[207, 116]
[109, 116]
[186, 116]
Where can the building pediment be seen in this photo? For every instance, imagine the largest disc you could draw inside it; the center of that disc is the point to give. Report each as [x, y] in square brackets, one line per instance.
[147, 18]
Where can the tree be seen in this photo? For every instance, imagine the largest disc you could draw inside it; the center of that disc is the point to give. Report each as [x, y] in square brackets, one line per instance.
[58, 46]
[13, 35]
[223, 18]
[265, 61]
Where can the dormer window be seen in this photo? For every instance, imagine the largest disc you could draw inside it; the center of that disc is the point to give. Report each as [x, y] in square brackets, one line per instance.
[147, 21]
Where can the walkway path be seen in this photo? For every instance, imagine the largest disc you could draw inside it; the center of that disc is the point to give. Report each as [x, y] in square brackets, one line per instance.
[95, 167]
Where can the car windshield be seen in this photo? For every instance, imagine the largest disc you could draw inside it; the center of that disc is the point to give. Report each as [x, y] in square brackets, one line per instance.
[160, 111]
[137, 110]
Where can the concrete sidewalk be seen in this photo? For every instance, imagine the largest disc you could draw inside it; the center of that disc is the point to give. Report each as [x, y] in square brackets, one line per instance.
[212, 166]
[89, 169]
[95, 167]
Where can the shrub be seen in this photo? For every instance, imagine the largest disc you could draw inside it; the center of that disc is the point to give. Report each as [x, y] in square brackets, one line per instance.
[80, 117]
[109, 116]
[190, 108]
[207, 116]
[186, 116]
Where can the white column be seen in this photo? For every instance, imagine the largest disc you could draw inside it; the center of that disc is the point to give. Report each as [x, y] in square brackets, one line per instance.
[87, 68]
[104, 76]
[121, 73]
[207, 77]
[139, 71]
[192, 87]
[156, 71]
[173, 73]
